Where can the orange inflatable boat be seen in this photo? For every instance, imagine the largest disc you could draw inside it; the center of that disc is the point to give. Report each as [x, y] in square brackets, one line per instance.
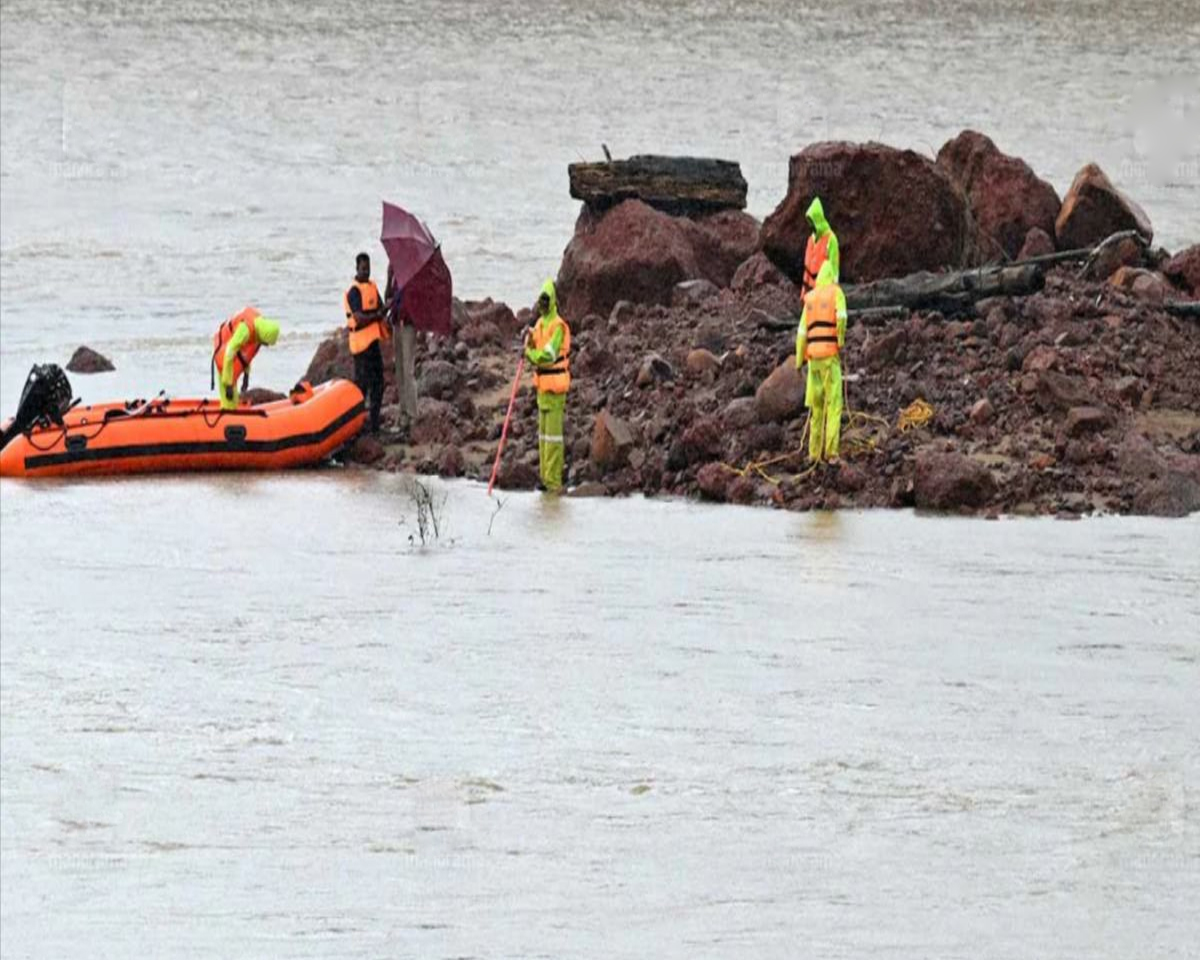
[169, 435]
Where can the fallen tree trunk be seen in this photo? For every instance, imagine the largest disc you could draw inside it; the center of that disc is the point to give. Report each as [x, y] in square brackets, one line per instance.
[871, 316]
[676, 185]
[1183, 308]
[946, 292]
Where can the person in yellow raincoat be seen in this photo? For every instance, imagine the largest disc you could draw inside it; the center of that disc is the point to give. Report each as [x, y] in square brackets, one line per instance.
[234, 346]
[822, 248]
[819, 340]
[548, 348]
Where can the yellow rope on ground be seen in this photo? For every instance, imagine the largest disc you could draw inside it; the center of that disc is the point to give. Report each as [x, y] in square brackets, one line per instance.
[916, 414]
[863, 433]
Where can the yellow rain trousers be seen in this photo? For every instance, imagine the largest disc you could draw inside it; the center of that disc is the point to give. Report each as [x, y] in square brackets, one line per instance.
[823, 396]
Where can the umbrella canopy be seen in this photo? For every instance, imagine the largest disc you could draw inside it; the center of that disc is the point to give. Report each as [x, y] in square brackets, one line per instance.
[418, 269]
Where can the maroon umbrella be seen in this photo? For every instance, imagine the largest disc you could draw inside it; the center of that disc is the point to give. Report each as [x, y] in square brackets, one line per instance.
[418, 269]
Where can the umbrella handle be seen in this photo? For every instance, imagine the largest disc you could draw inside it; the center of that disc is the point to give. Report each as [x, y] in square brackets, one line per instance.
[507, 417]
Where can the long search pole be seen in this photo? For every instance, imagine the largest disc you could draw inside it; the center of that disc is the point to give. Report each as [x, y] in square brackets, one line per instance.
[507, 417]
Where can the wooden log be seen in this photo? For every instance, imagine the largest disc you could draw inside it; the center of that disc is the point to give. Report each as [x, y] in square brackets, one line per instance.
[677, 185]
[872, 316]
[1183, 308]
[946, 292]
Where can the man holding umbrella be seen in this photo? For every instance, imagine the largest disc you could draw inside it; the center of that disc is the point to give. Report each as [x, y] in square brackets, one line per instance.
[419, 291]
[406, 348]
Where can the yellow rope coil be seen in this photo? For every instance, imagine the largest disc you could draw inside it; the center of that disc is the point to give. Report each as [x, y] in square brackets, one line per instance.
[863, 434]
[916, 414]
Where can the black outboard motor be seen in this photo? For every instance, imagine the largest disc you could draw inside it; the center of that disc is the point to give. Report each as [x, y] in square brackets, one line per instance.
[44, 400]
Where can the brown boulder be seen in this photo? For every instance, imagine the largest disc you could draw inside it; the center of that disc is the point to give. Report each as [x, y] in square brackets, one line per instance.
[713, 480]
[702, 441]
[758, 271]
[87, 360]
[451, 462]
[517, 475]
[1041, 357]
[951, 481]
[438, 379]
[1059, 392]
[1126, 252]
[982, 411]
[365, 449]
[435, 422]
[1082, 420]
[700, 362]
[1141, 283]
[257, 396]
[612, 439]
[894, 212]
[1007, 199]
[1038, 243]
[1094, 209]
[631, 252]
[692, 293]
[1159, 488]
[781, 395]
[740, 413]
[885, 348]
[333, 360]
[480, 312]
[722, 242]
[1183, 270]
[653, 368]
[634, 252]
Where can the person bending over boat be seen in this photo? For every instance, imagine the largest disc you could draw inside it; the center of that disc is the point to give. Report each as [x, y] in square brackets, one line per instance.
[234, 347]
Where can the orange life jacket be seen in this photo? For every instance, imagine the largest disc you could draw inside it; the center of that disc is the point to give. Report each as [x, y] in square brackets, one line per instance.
[556, 377]
[820, 317]
[363, 337]
[241, 362]
[815, 254]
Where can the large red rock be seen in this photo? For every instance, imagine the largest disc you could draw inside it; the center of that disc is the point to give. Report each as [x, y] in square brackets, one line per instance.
[1007, 199]
[781, 395]
[636, 253]
[1183, 270]
[722, 242]
[894, 211]
[631, 252]
[612, 439]
[1038, 243]
[1094, 209]
[951, 481]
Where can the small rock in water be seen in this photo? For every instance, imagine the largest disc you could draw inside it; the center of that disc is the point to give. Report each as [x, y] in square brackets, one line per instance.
[87, 360]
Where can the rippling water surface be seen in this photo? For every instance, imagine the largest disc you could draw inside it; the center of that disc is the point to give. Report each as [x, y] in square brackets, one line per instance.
[245, 717]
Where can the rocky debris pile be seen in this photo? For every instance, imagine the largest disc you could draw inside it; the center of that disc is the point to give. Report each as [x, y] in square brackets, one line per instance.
[87, 360]
[1080, 397]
